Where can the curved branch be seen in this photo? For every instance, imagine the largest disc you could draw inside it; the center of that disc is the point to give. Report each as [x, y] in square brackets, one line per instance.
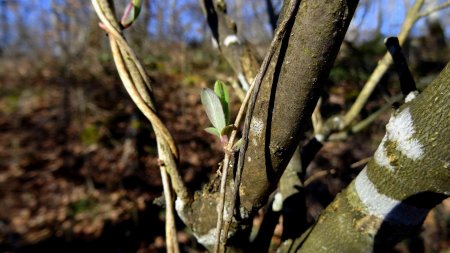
[137, 84]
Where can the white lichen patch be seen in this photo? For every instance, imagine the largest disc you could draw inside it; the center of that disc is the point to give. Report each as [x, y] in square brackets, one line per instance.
[243, 81]
[381, 157]
[257, 126]
[411, 96]
[277, 203]
[208, 238]
[231, 39]
[383, 206]
[400, 129]
[179, 207]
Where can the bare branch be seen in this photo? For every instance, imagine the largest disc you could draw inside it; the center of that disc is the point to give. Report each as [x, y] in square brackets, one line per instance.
[318, 175]
[407, 82]
[433, 10]
[138, 86]
[226, 167]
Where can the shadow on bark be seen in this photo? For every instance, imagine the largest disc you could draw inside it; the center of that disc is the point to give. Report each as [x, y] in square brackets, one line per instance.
[389, 233]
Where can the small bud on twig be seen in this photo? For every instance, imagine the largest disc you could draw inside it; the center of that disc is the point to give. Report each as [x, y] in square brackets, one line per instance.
[131, 13]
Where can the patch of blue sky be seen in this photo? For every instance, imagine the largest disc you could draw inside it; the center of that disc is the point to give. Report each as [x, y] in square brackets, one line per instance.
[37, 15]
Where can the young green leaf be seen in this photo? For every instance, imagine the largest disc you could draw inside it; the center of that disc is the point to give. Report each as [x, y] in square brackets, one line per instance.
[222, 92]
[213, 108]
[213, 131]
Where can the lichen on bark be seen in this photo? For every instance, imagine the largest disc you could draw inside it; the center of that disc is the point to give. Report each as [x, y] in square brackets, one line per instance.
[351, 224]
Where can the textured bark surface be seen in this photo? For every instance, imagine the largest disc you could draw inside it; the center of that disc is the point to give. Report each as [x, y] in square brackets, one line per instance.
[409, 174]
[288, 95]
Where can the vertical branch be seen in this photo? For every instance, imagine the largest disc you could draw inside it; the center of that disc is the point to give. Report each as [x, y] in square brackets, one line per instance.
[279, 36]
[273, 17]
[235, 51]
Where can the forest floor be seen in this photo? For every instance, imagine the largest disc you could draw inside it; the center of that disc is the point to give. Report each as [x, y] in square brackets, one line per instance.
[78, 166]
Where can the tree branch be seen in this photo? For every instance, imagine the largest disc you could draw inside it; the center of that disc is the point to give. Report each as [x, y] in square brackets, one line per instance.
[382, 66]
[289, 93]
[138, 86]
[408, 176]
[433, 10]
[235, 51]
[279, 36]
[407, 83]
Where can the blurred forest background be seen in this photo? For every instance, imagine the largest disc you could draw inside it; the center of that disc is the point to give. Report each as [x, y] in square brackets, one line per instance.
[78, 167]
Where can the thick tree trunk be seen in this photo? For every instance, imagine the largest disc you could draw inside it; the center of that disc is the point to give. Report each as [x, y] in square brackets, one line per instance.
[289, 93]
[408, 175]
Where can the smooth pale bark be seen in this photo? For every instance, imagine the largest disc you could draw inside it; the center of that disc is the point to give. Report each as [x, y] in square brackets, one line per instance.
[409, 175]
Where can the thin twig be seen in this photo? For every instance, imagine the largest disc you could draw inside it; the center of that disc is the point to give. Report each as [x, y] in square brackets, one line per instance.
[316, 117]
[171, 230]
[433, 10]
[361, 162]
[137, 84]
[361, 125]
[129, 60]
[164, 155]
[226, 166]
[318, 175]
[160, 129]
